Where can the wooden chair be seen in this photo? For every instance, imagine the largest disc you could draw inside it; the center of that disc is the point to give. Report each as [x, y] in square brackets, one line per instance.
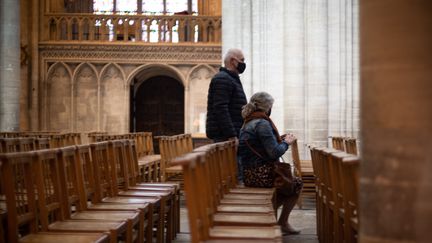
[42, 143]
[149, 164]
[171, 147]
[118, 163]
[136, 180]
[106, 189]
[74, 197]
[22, 207]
[51, 208]
[8, 145]
[329, 209]
[351, 145]
[335, 172]
[27, 144]
[304, 170]
[350, 178]
[319, 198]
[338, 143]
[201, 216]
[239, 213]
[86, 170]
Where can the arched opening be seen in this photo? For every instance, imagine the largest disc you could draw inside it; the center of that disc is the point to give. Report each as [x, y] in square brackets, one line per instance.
[157, 105]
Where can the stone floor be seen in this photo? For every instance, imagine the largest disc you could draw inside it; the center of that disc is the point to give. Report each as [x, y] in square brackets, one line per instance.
[303, 219]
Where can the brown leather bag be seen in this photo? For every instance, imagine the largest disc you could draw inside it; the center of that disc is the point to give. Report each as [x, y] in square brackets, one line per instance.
[284, 181]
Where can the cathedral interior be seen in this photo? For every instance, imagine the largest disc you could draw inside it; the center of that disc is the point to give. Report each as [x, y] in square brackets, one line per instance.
[353, 76]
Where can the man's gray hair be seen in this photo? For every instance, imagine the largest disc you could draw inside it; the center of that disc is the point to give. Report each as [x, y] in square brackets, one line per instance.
[234, 52]
[261, 101]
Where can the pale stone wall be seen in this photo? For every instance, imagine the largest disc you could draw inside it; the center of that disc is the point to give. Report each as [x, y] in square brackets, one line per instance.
[305, 53]
[82, 94]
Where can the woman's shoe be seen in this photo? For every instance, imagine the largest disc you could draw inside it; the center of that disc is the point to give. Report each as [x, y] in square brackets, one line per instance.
[289, 230]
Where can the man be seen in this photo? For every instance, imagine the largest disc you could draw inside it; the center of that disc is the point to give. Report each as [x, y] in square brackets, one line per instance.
[226, 98]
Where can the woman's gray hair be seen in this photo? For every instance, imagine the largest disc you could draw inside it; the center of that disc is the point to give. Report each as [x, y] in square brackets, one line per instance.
[261, 101]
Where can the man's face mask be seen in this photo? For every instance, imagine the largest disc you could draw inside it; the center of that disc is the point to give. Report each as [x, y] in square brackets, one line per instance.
[241, 66]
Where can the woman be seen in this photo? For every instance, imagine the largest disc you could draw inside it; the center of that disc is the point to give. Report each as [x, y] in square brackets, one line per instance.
[260, 147]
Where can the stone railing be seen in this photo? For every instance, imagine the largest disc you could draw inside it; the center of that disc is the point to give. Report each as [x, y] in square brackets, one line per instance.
[133, 28]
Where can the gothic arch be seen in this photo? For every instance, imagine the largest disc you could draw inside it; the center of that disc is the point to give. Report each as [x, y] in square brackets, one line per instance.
[199, 78]
[58, 97]
[147, 71]
[198, 68]
[105, 69]
[113, 99]
[85, 98]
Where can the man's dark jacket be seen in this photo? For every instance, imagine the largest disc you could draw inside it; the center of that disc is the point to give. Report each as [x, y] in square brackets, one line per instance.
[224, 104]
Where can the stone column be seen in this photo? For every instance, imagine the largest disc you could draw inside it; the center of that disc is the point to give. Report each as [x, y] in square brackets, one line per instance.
[396, 120]
[9, 65]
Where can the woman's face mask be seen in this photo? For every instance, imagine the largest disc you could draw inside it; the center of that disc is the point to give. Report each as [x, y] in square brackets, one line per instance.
[268, 113]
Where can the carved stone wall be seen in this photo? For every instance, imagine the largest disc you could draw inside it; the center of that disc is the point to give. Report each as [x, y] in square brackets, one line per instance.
[87, 87]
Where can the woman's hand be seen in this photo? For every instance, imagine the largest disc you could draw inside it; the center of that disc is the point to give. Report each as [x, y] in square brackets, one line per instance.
[290, 138]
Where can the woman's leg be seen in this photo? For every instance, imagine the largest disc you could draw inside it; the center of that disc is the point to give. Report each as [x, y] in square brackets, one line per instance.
[288, 205]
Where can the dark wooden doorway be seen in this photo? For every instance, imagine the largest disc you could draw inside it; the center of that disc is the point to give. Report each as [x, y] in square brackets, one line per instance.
[158, 106]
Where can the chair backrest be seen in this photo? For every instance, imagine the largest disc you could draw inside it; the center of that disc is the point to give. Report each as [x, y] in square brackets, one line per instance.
[296, 159]
[9, 145]
[27, 144]
[42, 143]
[350, 178]
[71, 180]
[351, 145]
[132, 162]
[118, 165]
[194, 182]
[338, 143]
[86, 169]
[335, 163]
[48, 186]
[101, 170]
[17, 171]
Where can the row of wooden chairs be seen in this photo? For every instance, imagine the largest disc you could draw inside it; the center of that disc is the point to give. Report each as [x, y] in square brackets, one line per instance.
[346, 144]
[55, 140]
[149, 162]
[336, 195]
[219, 210]
[68, 178]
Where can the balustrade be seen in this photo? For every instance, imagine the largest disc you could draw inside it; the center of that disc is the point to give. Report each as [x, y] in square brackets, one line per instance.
[133, 28]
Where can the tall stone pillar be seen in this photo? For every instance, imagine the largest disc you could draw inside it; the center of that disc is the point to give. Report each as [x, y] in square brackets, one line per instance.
[396, 120]
[9, 65]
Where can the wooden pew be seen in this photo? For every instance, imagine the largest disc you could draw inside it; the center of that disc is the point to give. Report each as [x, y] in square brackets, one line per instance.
[22, 204]
[200, 213]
